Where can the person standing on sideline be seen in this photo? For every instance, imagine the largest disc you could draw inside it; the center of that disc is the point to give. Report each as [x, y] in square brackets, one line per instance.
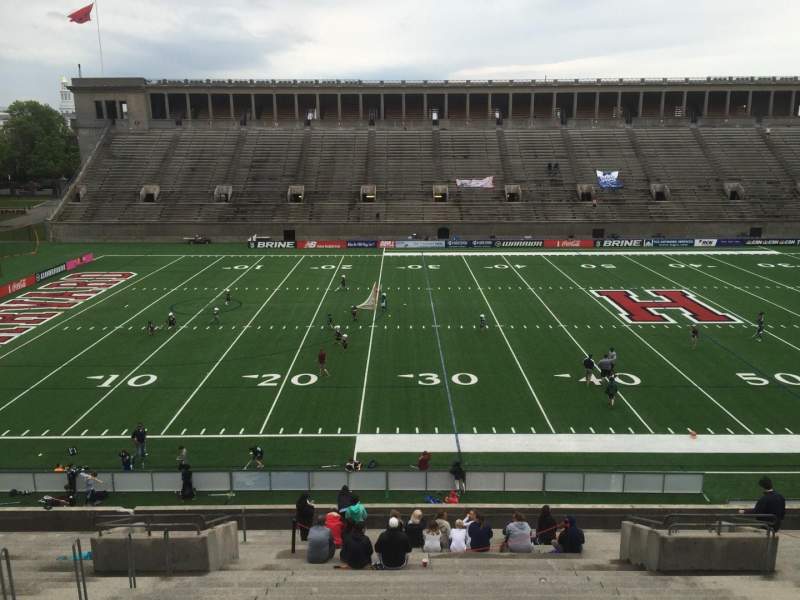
[695, 336]
[322, 358]
[459, 476]
[770, 503]
[90, 481]
[611, 390]
[424, 460]
[139, 437]
[126, 459]
[182, 456]
[187, 483]
[588, 367]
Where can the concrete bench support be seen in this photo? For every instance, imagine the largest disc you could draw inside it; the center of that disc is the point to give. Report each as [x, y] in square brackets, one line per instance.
[210, 551]
[655, 550]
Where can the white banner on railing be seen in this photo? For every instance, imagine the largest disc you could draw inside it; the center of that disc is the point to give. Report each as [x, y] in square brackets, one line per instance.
[486, 182]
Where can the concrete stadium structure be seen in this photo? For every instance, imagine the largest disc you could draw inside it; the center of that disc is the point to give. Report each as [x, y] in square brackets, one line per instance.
[329, 158]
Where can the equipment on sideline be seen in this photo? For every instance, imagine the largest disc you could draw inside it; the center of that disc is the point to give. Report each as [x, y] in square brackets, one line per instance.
[371, 303]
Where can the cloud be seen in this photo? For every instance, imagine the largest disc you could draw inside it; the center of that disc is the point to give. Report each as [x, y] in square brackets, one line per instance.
[386, 39]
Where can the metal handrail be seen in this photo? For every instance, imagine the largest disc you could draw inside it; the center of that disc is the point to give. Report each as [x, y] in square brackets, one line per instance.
[5, 558]
[710, 521]
[80, 573]
[131, 563]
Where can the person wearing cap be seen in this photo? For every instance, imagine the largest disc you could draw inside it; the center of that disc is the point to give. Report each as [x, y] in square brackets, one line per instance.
[571, 538]
[393, 546]
[321, 546]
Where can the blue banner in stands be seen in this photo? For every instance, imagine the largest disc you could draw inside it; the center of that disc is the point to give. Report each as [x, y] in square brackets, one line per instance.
[730, 242]
[609, 180]
[362, 244]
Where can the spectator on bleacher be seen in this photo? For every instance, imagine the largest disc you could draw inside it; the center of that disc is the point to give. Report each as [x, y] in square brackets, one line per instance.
[321, 546]
[444, 529]
[480, 535]
[518, 534]
[333, 521]
[414, 529]
[396, 514]
[571, 538]
[470, 518]
[393, 546]
[304, 514]
[344, 498]
[432, 537]
[459, 540]
[546, 527]
[355, 514]
[357, 548]
[770, 503]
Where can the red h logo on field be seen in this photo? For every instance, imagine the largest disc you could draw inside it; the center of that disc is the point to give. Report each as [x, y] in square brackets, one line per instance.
[634, 310]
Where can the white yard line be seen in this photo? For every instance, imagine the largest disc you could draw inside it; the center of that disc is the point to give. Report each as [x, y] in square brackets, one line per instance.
[513, 354]
[765, 278]
[566, 330]
[741, 289]
[92, 345]
[709, 300]
[300, 347]
[157, 350]
[229, 348]
[646, 343]
[91, 305]
[369, 352]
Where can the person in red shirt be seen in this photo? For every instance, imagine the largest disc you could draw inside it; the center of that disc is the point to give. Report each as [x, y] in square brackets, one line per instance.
[424, 460]
[323, 359]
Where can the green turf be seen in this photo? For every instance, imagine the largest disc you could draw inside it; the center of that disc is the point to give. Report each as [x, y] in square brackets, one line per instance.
[505, 377]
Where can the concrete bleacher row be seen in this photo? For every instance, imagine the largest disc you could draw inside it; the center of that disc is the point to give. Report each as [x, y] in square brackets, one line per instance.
[267, 570]
[332, 164]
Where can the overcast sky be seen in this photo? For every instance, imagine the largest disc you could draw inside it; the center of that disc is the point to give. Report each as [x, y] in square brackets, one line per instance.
[397, 39]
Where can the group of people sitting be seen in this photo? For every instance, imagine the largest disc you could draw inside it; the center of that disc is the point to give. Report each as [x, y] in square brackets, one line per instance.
[343, 528]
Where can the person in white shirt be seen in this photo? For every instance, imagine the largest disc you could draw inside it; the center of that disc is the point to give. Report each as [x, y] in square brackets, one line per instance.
[432, 537]
[459, 540]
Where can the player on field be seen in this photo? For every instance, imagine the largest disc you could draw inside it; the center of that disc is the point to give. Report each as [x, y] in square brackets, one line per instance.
[215, 313]
[611, 390]
[322, 359]
[606, 366]
[483, 321]
[139, 437]
[344, 341]
[151, 328]
[171, 322]
[337, 334]
[330, 321]
[383, 301]
[343, 282]
[612, 356]
[256, 456]
[354, 312]
[695, 336]
[759, 326]
[227, 297]
[588, 365]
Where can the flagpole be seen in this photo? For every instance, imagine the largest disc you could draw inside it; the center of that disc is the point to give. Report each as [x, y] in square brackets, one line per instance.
[99, 42]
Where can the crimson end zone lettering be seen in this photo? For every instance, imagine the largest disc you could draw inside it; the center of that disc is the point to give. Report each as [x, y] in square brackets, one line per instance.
[655, 310]
[25, 312]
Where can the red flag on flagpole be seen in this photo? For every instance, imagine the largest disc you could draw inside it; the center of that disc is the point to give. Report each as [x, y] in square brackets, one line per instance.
[82, 15]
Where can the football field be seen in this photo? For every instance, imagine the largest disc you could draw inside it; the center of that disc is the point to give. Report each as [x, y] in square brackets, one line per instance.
[421, 374]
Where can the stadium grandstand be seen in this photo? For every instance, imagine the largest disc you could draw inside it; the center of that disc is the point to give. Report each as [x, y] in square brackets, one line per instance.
[325, 158]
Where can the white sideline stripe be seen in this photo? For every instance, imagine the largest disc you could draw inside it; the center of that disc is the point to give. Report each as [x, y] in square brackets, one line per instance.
[229, 348]
[709, 300]
[513, 354]
[154, 352]
[783, 285]
[91, 305]
[646, 343]
[585, 443]
[369, 354]
[557, 253]
[300, 347]
[567, 331]
[93, 344]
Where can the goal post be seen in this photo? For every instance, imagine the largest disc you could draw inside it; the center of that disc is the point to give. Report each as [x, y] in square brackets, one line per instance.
[371, 303]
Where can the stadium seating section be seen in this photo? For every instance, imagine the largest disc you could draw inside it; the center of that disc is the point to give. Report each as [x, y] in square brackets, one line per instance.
[261, 163]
